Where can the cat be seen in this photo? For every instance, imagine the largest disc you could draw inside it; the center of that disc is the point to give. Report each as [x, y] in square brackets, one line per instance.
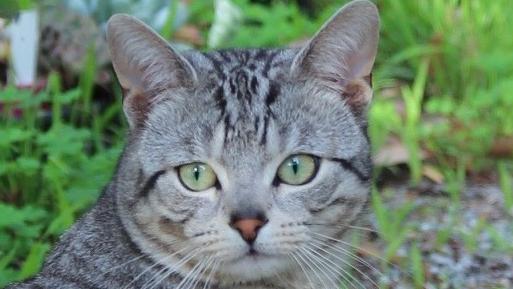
[243, 168]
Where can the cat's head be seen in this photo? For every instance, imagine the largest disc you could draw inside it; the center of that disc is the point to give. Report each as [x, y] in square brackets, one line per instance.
[245, 160]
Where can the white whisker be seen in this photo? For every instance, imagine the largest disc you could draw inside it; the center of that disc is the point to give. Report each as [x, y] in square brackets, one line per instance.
[171, 270]
[345, 272]
[293, 255]
[344, 261]
[123, 264]
[357, 248]
[191, 273]
[324, 268]
[211, 274]
[349, 254]
[200, 272]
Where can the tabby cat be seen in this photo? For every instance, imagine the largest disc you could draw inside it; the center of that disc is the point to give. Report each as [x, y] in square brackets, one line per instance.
[243, 168]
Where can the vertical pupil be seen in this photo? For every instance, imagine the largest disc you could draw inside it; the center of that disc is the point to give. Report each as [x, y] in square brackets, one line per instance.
[295, 165]
[196, 172]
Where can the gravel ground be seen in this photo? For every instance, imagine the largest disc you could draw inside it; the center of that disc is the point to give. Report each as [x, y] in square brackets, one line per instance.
[476, 254]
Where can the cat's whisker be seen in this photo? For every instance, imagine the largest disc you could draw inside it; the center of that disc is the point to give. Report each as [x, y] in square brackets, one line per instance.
[345, 263]
[196, 279]
[360, 249]
[337, 225]
[322, 266]
[133, 259]
[349, 254]
[308, 263]
[167, 271]
[146, 271]
[342, 273]
[208, 266]
[189, 276]
[352, 246]
[300, 264]
[152, 266]
[211, 274]
[123, 264]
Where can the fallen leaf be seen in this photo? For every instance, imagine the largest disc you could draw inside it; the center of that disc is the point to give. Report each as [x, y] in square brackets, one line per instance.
[433, 174]
[394, 153]
[502, 147]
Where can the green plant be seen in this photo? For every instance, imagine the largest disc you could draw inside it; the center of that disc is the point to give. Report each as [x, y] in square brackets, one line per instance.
[412, 97]
[506, 186]
[392, 225]
[266, 21]
[417, 268]
[455, 181]
[50, 172]
[471, 237]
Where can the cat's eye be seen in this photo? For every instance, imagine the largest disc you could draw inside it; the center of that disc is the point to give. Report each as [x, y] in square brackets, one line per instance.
[298, 169]
[197, 176]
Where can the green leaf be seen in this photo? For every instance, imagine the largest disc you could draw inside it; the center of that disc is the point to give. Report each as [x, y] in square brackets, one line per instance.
[67, 97]
[34, 260]
[7, 258]
[417, 267]
[64, 140]
[27, 165]
[11, 216]
[12, 135]
[7, 276]
[63, 221]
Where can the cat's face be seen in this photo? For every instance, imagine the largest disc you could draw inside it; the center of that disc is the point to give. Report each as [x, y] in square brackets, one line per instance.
[247, 159]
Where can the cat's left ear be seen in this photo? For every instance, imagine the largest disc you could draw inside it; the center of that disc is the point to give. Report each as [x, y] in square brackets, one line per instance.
[342, 53]
[145, 65]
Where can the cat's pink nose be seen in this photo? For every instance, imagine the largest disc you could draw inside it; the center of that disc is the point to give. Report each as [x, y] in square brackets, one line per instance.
[248, 228]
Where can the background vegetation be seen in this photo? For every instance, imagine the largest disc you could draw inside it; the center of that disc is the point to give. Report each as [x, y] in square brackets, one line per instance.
[441, 125]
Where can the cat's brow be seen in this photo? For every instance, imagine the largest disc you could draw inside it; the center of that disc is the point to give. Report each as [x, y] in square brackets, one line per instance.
[349, 166]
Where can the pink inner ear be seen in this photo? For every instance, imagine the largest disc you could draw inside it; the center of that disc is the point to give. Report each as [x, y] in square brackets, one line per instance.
[136, 106]
[358, 93]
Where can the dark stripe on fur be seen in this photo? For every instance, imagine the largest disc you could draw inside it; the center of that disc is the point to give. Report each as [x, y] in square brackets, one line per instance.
[268, 64]
[216, 64]
[338, 201]
[220, 100]
[227, 126]
[254, 85]
[263, 140]
[347, 165]
[150, 183]
[272, 94]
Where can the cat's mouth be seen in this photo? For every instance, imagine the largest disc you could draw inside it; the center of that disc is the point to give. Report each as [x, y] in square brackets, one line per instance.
[254, 265]
[253, 252]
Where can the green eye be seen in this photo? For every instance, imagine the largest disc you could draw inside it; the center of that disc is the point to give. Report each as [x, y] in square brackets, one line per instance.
[197, 176]
[298, 169]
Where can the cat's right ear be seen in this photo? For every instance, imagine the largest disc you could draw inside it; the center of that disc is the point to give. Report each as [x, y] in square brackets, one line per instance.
[145, 65]
[342, 53]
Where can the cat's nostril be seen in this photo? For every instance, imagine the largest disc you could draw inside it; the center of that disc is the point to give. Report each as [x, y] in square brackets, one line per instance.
[248, 228]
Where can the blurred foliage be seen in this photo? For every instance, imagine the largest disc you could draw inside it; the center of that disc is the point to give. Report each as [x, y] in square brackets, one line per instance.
[53, 161]
[9, 9]
[443, 79]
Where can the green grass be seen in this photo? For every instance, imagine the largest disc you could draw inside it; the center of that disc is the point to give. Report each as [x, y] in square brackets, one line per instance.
[443, 83]
[506, 185]
[51, 168]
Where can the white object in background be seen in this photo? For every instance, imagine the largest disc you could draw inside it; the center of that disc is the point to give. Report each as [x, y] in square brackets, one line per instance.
[24, 35]
[227, 18]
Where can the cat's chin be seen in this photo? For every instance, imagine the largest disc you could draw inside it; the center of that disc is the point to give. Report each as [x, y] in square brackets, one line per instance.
[255, 267]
